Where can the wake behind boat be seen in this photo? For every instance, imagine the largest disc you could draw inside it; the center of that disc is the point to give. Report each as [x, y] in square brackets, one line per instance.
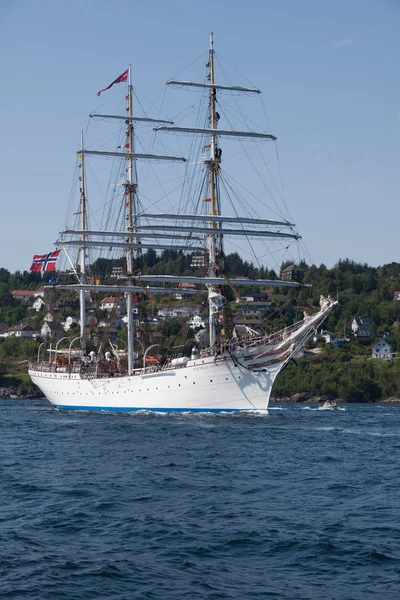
[220, 374]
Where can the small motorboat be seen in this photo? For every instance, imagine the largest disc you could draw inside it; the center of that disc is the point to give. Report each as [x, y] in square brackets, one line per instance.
[328, 405]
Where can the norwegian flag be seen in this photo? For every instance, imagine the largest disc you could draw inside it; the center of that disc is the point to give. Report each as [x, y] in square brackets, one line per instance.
[45, 262]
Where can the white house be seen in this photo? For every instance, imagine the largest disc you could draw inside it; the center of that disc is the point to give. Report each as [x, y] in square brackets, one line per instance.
[197, 321]
[24, 295]
[38, 303]
[362, 326]
[396, 296]
[175, 311]
[22, 331]
[334, 339]
[381, 349]
[112, 303]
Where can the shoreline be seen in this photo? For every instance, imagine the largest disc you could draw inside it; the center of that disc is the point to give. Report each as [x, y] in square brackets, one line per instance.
[305, 398]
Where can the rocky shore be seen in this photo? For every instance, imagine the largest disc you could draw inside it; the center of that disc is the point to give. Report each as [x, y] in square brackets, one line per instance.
[305, 397]
[18, 394]
[310, 399]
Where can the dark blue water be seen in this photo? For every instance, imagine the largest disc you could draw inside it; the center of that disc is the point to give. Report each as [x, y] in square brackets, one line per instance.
[295, 505]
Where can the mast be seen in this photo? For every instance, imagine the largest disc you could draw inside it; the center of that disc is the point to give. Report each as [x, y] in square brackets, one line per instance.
[130, 192]
[81, 254]
[213, 173]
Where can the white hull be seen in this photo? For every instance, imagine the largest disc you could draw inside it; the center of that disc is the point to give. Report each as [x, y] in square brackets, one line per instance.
[233, 381]
[203, 385]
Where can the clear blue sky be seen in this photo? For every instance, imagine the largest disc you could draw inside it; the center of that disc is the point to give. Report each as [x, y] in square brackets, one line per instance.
[329, 70]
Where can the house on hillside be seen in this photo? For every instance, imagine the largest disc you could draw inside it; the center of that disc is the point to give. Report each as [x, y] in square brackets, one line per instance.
[38, 303]
[52, 316]
[3, 330]
[23, 295]
[22, 331]
[292, 273]
[197, 321]
[112, 303]
[334, 339]
[362, 327]
[185, 290]
[256, 307]
[253, 297]
[396, 296]
[174, 312]
[382, 349]
[27, 295]
[51, 329]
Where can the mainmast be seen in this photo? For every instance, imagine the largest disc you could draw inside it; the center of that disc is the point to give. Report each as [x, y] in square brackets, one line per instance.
[82, 252]
[214, 302]
[130, 194]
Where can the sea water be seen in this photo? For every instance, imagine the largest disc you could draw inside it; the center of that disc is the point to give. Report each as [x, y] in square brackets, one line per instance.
[294, 505]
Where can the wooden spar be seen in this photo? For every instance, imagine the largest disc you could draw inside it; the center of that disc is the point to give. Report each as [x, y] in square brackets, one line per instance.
[237, 88]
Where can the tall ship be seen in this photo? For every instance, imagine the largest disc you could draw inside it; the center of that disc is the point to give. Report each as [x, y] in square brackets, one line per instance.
[222, 372]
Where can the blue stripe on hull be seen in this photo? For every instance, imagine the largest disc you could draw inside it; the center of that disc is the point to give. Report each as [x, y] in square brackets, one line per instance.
[165, 410]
